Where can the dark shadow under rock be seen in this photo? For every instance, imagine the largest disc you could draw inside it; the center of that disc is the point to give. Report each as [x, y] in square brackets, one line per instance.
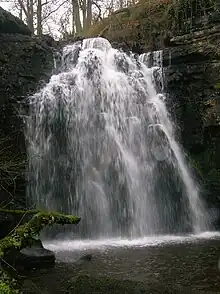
[34, 257]
[37, 257]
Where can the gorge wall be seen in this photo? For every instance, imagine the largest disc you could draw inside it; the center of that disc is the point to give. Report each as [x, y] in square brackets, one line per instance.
[24, 62]
[191, 70]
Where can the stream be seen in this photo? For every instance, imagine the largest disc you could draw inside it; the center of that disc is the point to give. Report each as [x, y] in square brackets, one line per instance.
[165, 264]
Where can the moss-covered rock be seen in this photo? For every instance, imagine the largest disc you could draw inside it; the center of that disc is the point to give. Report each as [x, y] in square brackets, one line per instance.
[25, 236]
[10, 24]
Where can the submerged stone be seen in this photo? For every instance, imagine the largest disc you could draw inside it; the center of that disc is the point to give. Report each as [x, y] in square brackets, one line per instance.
[86, 257]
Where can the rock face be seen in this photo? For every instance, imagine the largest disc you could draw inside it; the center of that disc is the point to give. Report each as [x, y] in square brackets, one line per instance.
[24, 62]
[192, 74]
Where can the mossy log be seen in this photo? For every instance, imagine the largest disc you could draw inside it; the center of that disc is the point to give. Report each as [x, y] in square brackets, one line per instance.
[19, 211]
[24, 235]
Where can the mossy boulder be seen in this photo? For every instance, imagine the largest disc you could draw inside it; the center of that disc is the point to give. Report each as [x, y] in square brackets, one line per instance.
[10, 24]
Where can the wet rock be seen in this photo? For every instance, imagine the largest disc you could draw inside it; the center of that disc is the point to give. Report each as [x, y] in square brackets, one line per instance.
[37, 256]
[192, 71]
[86, 257]
[34, 257]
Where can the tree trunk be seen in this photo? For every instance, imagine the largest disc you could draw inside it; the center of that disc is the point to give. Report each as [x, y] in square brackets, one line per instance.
[75, 5]
[73, 22]
[84, 12]
[30, 15]
[20, 13]
[39, 17]
[121, 4]
[89, 14]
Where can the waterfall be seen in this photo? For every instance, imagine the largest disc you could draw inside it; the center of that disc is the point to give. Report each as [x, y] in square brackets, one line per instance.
[101, 145]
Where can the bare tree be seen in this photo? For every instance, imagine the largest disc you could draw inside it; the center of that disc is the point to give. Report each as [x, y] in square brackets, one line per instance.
[64, 16]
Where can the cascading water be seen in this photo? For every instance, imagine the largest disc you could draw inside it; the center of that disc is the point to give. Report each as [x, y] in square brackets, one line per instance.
[102, 146]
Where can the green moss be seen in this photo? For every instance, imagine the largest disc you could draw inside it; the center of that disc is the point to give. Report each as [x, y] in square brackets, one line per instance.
[19, 211]
[24, 235]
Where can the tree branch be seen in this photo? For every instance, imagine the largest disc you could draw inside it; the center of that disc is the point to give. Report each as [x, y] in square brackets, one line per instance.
[52, 11]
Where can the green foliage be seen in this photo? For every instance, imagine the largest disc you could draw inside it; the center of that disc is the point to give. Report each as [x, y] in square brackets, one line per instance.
[7, 285]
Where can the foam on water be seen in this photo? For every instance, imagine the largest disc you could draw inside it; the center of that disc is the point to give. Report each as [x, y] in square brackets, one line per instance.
[80, 245]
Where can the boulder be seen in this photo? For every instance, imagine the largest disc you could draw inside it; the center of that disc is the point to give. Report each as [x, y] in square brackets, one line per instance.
[37, 256]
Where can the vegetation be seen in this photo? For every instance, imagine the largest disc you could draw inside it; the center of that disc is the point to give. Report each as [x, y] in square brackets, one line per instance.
[12, 168]
[24, 236]
[87, 17]
[150, 20]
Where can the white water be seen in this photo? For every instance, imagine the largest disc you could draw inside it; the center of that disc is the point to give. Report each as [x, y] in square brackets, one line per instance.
[102, 146]
[80, 245]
